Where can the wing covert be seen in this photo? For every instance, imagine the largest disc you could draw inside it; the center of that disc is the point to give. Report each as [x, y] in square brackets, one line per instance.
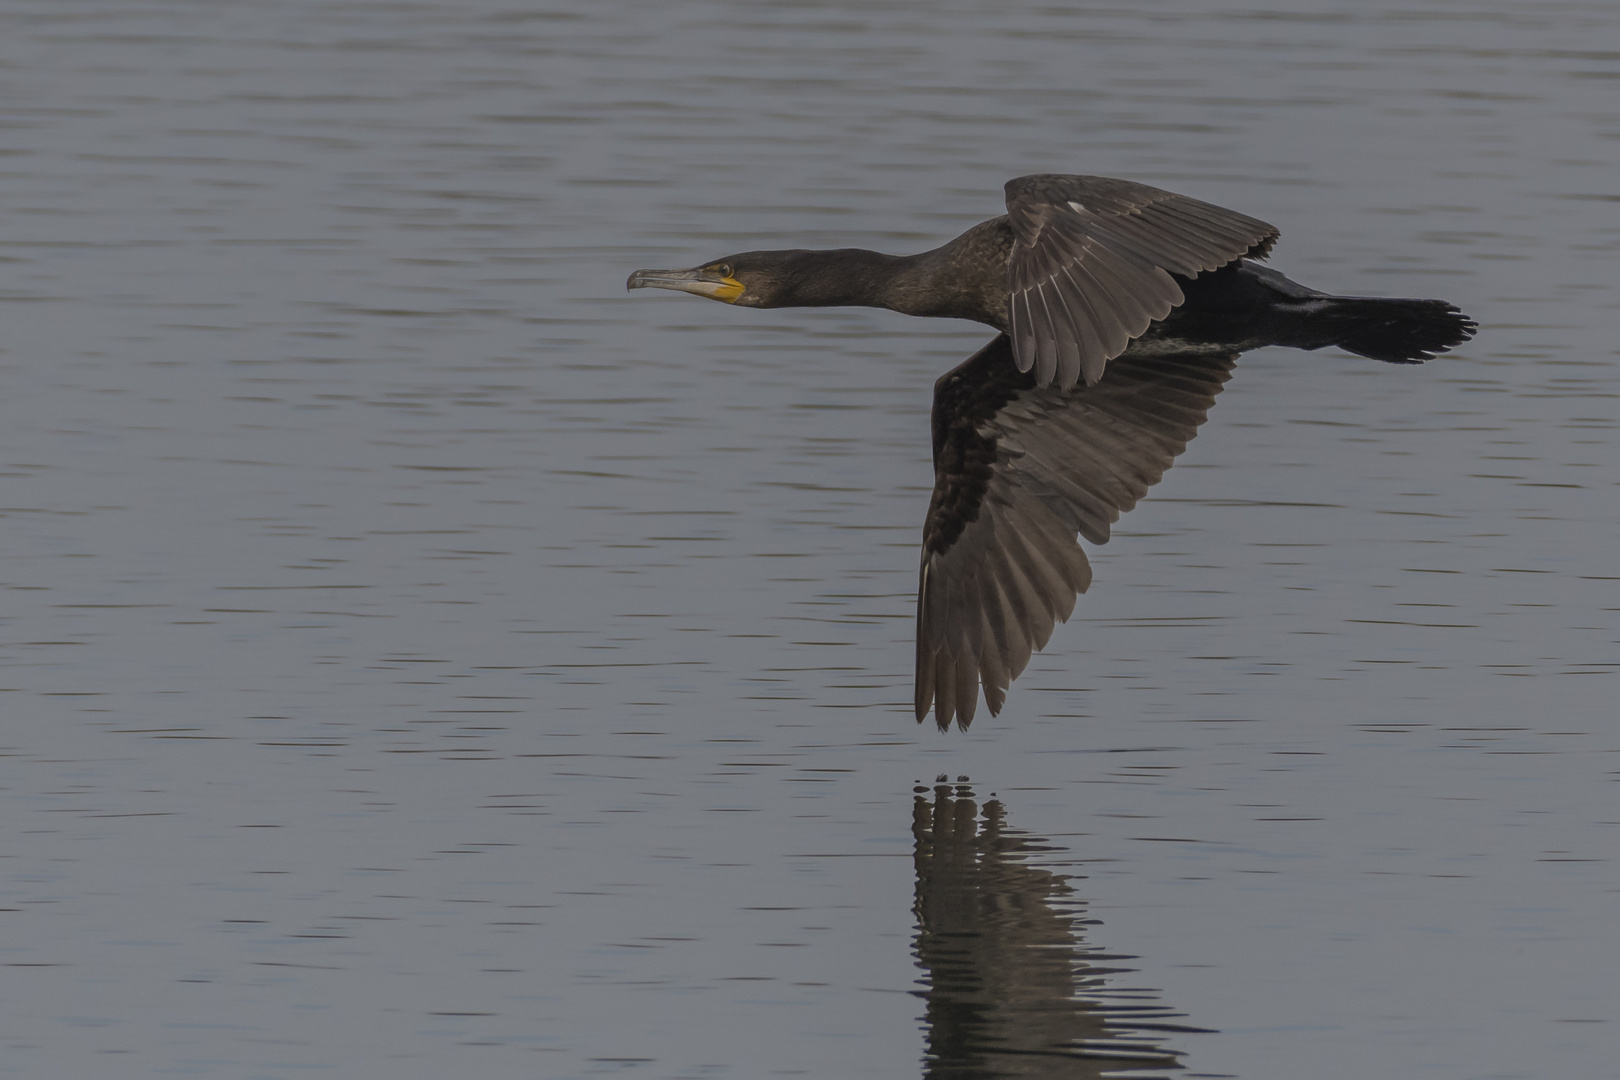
[1092, 265]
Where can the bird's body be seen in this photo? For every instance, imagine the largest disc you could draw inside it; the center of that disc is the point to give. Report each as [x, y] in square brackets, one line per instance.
[1121, 309]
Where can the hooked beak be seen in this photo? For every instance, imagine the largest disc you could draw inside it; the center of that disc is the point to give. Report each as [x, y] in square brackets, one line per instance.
[699, 282]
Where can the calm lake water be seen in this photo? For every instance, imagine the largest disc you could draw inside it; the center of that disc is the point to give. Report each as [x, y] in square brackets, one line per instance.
[422, 658]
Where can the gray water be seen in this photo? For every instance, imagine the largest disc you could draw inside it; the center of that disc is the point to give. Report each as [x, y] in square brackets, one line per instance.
[423, 659]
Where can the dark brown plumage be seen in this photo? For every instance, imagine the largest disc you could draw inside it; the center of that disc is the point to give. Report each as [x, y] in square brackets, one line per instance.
[1019, 470]
[1121, 310]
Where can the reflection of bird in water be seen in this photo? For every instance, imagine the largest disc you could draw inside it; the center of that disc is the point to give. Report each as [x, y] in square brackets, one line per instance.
[1010, 990]
[1121, 309]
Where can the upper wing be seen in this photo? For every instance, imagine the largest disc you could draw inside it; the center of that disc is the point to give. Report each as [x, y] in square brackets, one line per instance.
[1018, 470]
[1091, 265]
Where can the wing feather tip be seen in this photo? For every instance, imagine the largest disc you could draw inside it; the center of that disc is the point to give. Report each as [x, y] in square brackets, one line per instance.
[994, 698]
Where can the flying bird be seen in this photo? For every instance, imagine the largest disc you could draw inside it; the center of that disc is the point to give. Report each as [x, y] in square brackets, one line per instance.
[1120, 311]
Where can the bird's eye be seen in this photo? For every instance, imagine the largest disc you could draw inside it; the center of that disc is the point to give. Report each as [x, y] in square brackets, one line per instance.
[724, 269]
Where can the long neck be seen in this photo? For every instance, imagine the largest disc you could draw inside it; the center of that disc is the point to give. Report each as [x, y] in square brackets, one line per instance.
[840, 277]
[964, 279]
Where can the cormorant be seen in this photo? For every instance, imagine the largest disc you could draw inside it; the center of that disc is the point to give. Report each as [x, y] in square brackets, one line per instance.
[1121, 310]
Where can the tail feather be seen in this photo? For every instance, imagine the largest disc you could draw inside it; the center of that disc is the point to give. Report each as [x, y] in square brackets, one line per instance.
[1394, 331]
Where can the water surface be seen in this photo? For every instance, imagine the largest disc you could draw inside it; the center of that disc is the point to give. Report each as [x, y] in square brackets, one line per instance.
[421, 658]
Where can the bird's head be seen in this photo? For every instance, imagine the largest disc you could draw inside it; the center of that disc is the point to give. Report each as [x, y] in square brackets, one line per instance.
[760, 279]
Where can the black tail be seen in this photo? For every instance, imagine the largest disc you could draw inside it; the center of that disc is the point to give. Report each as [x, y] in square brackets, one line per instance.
[1394, 331]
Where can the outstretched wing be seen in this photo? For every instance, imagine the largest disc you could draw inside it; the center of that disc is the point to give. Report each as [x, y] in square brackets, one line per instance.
[1091, 265]
[1018, 470]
